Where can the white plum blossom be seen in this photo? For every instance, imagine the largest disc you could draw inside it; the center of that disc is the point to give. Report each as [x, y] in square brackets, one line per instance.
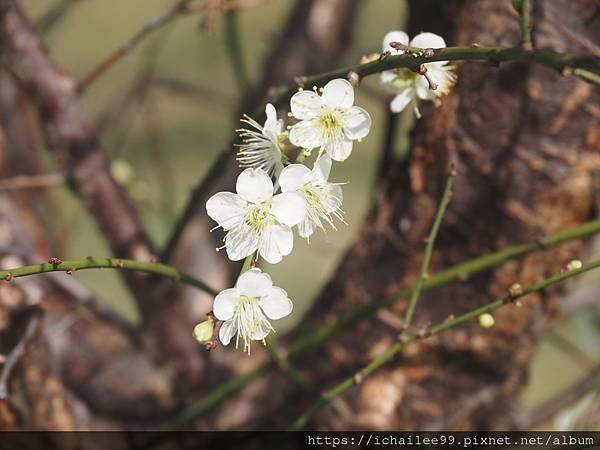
[323, 199]
[407, 84]
[328, 121]
[247, 308]
[260, 148]
[255, 219]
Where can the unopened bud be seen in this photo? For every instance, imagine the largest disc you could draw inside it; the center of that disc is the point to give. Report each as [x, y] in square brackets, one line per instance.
[122, 171]
[203, 332]
[516, 290]
[486, 320]
[574, 265]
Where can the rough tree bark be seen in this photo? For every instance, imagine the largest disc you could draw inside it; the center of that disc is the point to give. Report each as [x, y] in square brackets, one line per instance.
[525, 143]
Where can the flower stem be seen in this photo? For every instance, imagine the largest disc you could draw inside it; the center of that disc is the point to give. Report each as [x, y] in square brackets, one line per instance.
[325, 332]
[247, 264]
[429, 250]
[107, 263]
[395, 349]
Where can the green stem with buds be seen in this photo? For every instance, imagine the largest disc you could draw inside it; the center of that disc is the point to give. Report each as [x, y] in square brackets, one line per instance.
[71, 266]
[352, 317]
[395, 349]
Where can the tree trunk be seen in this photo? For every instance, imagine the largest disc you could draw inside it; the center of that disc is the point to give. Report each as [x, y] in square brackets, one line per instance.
[524, 141]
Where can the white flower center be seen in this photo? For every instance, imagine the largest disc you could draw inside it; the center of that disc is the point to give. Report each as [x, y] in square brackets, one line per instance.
[321, 204]
[404, 78]
[331, 124]
[259, 216]
[250, 321]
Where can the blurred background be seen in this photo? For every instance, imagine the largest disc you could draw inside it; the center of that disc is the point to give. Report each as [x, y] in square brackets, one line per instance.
[166, 111]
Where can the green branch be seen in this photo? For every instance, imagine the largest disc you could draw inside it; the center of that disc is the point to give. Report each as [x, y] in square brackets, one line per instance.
[352, 317]
[524, 9]
[442, 327]
[554, 60]
[107, 263]
[429, 250]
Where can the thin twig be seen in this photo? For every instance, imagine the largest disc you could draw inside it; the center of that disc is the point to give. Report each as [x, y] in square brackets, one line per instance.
[55, 15]
[179, 8]
[352, 317]
[524, 8]
[32, 181]
[71, 266]
[17, 352]
[442, 327]
[234, 49]
[569, 349]
[429, 250]
[565, 398]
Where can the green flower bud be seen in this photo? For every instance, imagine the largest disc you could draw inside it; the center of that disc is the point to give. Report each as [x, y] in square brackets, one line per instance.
[203, 332]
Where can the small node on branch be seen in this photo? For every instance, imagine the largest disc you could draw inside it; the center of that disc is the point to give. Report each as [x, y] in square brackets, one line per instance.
[55, 261]
[354, 78]
[358, 378]
[424, 332]
[574, 265]
[429, 53]
[475, 45]
[300, 81]
[515, 291]
[120, 264]
[385, 55]
[566, 71]
[402, 337]
[69, 272]
[9, 277]
[423, 71]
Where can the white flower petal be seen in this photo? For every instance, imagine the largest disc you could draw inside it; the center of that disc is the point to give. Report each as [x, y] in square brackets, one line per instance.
[254, 185]
[289, 208]
[254, 283]
[306, 134]
[357, 123]
[387, 77]
[293, 177]
[338, 93]
[307, 227]
[428, 40]
[306, 105]
[422, 89]
[225, 303]
[260, 333]
[241, 242]
[226, 208]
[339, 150]
[271, 124]
[321, 169]
[277, 304]
[401, 100]
[277, 241]
[227, 331]
[394, 36]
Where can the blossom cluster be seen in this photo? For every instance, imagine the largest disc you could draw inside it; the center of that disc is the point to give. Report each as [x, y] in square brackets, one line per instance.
[278, 194]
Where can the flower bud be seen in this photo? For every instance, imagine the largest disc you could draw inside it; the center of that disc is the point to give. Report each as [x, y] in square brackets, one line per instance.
[203, 332]
[486, 320]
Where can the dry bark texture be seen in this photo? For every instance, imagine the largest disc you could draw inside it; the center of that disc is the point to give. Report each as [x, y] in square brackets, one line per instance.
[122, 376]
[525, 143]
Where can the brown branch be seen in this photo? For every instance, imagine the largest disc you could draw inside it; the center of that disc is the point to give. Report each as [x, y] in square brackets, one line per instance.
[55, 15]
[70, 134]
[31, 181]
[18, 351]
